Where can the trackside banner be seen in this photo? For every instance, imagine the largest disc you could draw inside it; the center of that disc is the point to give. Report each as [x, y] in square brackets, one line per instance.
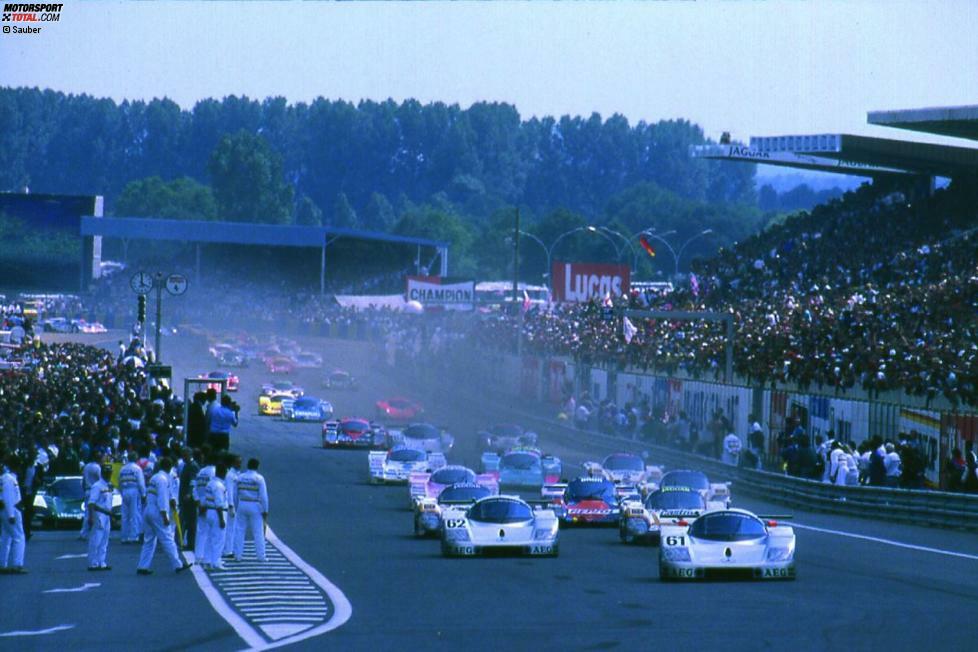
[580, 282]
[441, 292]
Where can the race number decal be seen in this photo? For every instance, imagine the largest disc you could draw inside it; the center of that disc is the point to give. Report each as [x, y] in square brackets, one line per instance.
[675, 541]
[454, 523]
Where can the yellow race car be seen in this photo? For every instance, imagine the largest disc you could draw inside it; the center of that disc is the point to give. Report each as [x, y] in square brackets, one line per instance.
[270, 405]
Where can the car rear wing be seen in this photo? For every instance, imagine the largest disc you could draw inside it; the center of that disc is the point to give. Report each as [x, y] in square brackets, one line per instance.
[593, 469]
[554, 490]
[653, 474]
[552, 466]
[489, 481]
[436, 461]
[288, 406]
[417, 482]
[331, 427]
[376, 461]
[539, 504]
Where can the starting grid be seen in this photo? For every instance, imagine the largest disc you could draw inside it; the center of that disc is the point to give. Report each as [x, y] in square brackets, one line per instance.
[273, 603]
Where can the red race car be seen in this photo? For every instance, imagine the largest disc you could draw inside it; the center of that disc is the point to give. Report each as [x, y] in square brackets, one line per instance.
[232, 380]
[398, 410]
[280, 365]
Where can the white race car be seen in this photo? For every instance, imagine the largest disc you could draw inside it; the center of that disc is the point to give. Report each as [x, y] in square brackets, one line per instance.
[428, 511]
[627, 470]
[716, 494]
[422, 436]
[430, 485]
[641, 518]
[495, 525]
[399, 464]
[729, 543]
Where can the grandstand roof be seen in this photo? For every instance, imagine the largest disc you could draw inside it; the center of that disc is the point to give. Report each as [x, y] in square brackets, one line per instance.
[920, 158]
[957, 121]
[140, 228]
[747, 154]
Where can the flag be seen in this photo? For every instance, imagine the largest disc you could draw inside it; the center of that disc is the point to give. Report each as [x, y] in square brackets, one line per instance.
[607, 302]
[649, 249]
[628, 329]
[526, 301]
[694, 284]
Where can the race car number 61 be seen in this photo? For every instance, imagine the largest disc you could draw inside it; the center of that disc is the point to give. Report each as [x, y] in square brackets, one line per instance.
[675, 541]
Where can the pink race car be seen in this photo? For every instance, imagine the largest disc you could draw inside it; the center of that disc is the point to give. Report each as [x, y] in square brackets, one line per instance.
[430, 485]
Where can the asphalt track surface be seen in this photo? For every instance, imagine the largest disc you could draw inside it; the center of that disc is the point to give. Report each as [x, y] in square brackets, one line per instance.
[855, 590]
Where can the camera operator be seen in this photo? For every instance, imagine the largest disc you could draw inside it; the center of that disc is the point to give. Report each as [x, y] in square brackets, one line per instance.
[220, 419]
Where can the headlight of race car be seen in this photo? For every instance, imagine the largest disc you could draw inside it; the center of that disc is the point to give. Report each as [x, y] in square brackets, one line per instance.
[779, 554]
[457, 534]
[675, 554]
[543, 535]
[429, 520]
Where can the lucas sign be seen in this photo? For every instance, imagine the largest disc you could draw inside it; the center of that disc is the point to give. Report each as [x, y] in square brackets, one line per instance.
[580, 282]
[439, 292]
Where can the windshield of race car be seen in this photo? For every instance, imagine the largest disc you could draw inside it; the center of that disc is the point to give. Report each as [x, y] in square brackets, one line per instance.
[338, 376]
[282, 385]
[500, 511]
[464, 494]
[67, 488]
[217, 374]
[354, 425]
[452, 476]
[307, 403]
[663, 500]
[520, 461]
[622, 462]
[591, 489]
[692, 479]
[727, 526]
[406, 455]
[399, 403]
[506, 430]
[422, 431]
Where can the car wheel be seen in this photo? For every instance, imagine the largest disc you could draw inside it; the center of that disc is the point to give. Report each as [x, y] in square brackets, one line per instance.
[418, 530]
[626, 536]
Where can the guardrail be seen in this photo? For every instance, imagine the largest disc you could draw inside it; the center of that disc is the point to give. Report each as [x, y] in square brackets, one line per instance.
[933, 508]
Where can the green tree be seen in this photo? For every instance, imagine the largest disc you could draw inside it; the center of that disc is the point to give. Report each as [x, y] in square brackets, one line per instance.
[180, 199]
[438, 223]
[307, 213]
[248, 180]
[344, 216]
[378, 214]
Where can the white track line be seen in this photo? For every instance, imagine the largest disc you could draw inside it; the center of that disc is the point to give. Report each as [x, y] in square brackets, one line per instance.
[342, 610]
[887, 542]
[38, 632]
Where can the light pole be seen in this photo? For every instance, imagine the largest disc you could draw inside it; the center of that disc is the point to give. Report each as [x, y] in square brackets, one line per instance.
[624, 239]
[546, 251]
[676, 255]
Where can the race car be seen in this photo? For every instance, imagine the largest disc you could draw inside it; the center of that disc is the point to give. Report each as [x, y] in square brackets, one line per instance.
[280, 365]
[641, 519]
[716, 494]
[730, 544]
[306, 360]
[284, 388]
[306, 408]
[430, 485]
[58, 325]
[232, 380]
[398, 464]
[427, 511]
[503, 436]
[82, 326]
[422, 436]
[522, 467]
[627, 470]
[499, 525]
[339, 379]
[271, 406]
[61, 502]
[353, 433]
[584, 501]
[232, 358]
[398, 410]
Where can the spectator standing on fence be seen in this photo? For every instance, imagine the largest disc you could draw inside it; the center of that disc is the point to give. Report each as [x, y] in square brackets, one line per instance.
[731, 449]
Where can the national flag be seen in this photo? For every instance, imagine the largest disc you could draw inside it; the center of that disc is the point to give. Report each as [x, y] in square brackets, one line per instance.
[628, 329]
[694, 284]
[526, 301]
[649, 249]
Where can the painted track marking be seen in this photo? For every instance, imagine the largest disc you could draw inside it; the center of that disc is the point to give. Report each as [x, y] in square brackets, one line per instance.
[279, 602]
[38, 632]
[78, 589]
[888, 542]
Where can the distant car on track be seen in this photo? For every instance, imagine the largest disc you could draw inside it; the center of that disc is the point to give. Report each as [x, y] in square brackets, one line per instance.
[306, 408]
[397, 465]
[353, 432]
[641, 520]
[282, 388]
[716, 494]
[730, 544]
[280, 365]
[585, 501]
[523, 467]
[232, 380]
[61, 502]
[500, 437]
[422, 436]
[271, 406]
[627, 470]
[232, 358]
[398, 410]
[339, 379]
[499, 525]
[430, 485]
[307, 360]
[428, 511]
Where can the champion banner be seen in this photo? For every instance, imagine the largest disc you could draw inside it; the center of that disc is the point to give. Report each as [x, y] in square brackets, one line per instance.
[438, 292]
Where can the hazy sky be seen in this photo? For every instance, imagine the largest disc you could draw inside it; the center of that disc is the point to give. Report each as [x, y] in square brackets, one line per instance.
[750, 68]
